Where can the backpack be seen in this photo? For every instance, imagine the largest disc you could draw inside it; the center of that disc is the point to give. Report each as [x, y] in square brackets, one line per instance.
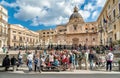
[36, 61]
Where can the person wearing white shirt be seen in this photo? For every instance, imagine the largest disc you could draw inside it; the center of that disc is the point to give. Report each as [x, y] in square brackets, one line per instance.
[30, 60]
[109, 59]
[51, 58]
[86, 59]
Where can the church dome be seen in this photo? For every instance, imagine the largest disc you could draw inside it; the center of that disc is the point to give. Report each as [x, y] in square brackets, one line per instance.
[75, 14]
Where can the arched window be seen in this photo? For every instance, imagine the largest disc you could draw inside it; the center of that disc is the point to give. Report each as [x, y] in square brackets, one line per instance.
[92, 28]
[75, 27]
[93, 39]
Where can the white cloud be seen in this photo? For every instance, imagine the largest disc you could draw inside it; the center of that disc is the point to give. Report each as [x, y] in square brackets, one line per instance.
[100, 3]
[47, 12]
[85, 14]
[89, 7]
[95, 14]
[8, 4]
[50, 12]
[93, 8]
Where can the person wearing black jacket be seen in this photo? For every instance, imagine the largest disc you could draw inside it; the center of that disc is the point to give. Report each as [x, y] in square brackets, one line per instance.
[6, 62]
[91, 58]
[13, 62]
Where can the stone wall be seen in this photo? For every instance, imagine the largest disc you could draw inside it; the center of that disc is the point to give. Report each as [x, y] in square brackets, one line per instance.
[2, 56]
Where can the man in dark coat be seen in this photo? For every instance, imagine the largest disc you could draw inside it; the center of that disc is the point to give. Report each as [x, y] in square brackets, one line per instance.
[13, 62]
[6, 62]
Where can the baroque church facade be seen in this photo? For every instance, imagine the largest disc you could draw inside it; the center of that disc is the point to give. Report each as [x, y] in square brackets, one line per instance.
[75, 32]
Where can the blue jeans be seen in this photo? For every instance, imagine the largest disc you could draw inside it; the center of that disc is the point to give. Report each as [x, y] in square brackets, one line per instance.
[109, 65]
[91, 64]
[20, 61]
[30, 65]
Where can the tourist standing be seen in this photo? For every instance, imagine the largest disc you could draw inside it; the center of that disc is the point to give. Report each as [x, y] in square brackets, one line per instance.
[43, 58]
[20, 57]
[109, 59]
[13, 62]
[30, 60]
[37, 63]
[6, 62]
[72, 61]
[51, 58]
[86, 59]
[91, 59]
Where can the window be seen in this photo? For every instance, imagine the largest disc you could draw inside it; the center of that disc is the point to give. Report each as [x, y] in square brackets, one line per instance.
[92, 28]
[86, 39]
[19, 32]
[20, 39]
[27, 39]
[14, 31]
[14, 44]
[93, 39]
[75, 20]
[114, 13]
[51, 32]
[115, 36]
[43, 32]
[14, 37]
[24, 38]
[60, 30]
[65, 30]
[110, 40]
[114, 26]
[113, 1]
[75, 27]
[47, 32]
[86, 29]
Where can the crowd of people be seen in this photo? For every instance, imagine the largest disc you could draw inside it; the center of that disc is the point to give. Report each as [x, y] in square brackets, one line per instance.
[64, 59]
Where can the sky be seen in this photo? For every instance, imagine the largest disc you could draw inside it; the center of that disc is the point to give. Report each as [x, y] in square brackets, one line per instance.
[45, 14]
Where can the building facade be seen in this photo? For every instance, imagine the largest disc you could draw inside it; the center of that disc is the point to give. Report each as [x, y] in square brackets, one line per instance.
[3, 27]
[109, 23]
[75, 32]
[21, 36]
